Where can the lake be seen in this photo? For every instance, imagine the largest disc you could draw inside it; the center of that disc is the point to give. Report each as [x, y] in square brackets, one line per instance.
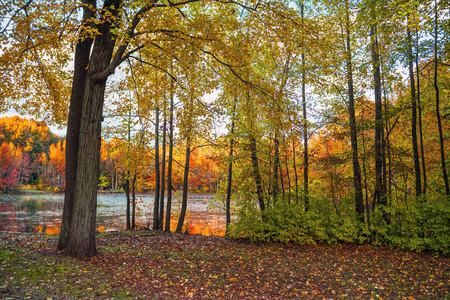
[41, 213]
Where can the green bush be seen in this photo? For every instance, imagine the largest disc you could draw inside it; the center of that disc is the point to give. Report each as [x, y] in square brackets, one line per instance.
[421, 226]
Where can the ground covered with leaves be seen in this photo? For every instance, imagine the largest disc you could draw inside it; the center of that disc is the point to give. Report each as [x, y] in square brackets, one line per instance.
[144, 265]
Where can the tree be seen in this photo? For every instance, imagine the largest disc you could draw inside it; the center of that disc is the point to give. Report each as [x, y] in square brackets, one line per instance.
[438, 113]
[351, 111]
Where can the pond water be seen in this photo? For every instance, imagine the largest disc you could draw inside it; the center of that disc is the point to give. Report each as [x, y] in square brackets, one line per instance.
[42, 213]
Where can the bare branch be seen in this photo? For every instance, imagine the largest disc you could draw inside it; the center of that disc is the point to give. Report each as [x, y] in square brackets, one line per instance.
[24, 7]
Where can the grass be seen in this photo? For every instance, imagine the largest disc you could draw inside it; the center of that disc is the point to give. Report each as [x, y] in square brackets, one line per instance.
[147, 265]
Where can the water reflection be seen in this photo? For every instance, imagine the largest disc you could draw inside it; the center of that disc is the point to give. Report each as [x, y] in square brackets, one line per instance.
[42, 213]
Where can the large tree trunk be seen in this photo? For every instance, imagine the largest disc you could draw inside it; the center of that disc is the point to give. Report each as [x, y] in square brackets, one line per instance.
[353, 132]
[82, 228]
[157, 175]
[81, 238]
[185, 186]
[413, 114]
[81, 61]
[438, 113]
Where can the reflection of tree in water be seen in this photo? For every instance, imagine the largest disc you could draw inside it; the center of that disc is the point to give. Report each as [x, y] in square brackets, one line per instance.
[29, 205]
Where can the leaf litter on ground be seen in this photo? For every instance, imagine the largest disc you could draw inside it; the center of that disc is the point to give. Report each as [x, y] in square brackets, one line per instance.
[152, 265]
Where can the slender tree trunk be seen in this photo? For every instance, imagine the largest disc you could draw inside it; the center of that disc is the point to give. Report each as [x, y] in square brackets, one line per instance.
[81, 61]
[281, 175]
[127, 196]
[287, 170]
[185, 187]
[157, 176]
[133, 197]
[256, 173]
[378, 194]
[438, 113]
[127, 181]
[305, 130]
[276, 161]
[169, 166]
[413, 115]
[295, 171]
[422, 149]
[353, 131]
[163, 176]
[230, 174]
[366, 188]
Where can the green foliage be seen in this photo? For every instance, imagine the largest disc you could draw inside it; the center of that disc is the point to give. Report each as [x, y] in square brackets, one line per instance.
[285, 222]
[422, 226]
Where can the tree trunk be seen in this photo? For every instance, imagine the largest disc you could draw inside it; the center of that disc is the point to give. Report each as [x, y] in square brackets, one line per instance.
[127, 196]
[163, 175]
[295, 170]
[256, 173]
[230, 174]
[81, 237]
[133, 199]
[305, 131]
[157, 175]
[413, 114]
[353, 132]
[438, 113]
[169, 167]
[82, 227]
[185, 187]
[422, 149]
[81, 61]
[127, 181]
[275, 167]
[378, 194]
